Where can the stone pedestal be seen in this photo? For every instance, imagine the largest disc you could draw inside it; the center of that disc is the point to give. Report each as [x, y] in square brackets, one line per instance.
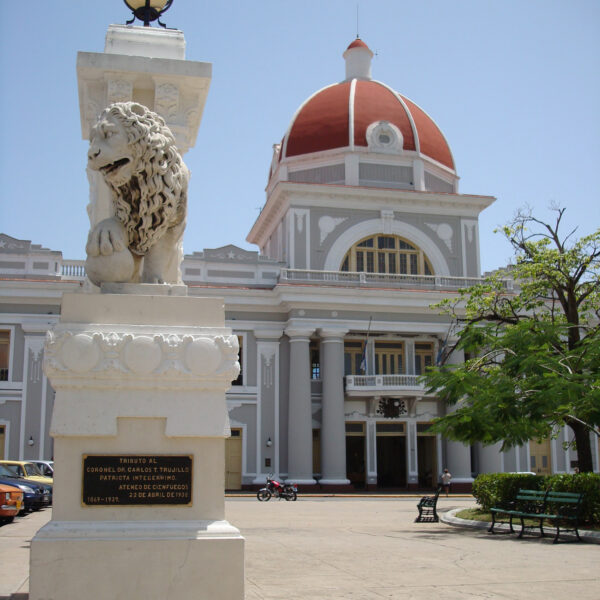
[139, 424]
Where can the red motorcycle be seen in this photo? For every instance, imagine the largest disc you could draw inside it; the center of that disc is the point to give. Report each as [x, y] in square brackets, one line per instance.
[289, 491]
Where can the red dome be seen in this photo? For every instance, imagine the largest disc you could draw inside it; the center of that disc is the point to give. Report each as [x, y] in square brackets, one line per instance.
[323, 121]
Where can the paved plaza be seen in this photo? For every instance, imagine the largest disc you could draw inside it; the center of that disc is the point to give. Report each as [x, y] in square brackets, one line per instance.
[369, 549]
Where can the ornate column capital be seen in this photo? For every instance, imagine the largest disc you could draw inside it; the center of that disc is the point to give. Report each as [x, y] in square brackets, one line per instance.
[333, 334]
[271, 333]
[299, 333]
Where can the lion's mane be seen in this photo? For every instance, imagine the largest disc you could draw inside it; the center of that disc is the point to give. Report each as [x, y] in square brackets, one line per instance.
[155, 198]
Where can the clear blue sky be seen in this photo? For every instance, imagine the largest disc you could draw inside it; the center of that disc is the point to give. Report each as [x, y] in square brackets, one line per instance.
[513, 84]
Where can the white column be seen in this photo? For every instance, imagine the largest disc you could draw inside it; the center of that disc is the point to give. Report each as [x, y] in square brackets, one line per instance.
[490, 459]
[300, 468]
[371, 452]
[333, 431]
[412, 462]
[458, 455]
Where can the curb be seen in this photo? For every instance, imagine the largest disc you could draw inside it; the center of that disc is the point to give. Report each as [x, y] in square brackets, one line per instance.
[450, 518]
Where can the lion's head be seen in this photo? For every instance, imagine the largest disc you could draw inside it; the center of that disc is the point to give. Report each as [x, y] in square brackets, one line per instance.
[135, 152]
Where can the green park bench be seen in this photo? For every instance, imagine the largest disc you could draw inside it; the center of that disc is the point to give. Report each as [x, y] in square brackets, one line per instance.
[427, 508]
[561, 509]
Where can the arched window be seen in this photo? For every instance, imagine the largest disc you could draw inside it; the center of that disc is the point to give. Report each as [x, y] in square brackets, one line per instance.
[386, 254]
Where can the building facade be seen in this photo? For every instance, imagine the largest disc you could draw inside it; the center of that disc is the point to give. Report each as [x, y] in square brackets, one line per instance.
[363, 229]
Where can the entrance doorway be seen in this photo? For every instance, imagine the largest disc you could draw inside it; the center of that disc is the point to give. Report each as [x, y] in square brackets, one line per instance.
[355, 454]
[2, 441]
[391, 455]
[539, 453]
[233, 460]
[427, 453]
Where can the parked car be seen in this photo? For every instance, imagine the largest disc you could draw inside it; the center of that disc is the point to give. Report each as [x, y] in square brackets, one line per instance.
[45, 466]
[35, 495]
[11, 503]
[27, 469]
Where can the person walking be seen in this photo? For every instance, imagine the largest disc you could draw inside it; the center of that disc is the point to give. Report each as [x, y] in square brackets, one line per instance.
[446, 478]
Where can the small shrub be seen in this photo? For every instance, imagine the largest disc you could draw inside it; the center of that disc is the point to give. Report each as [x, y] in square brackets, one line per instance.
[587, 484]
[498, 489]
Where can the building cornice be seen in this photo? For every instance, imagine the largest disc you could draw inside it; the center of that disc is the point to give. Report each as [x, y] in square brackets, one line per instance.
[286, 194]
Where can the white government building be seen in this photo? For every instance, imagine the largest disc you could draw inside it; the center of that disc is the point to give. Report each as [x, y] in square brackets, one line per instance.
[362, 230]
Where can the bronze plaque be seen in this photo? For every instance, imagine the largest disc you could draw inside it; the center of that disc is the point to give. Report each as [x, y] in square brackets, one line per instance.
[115, 480]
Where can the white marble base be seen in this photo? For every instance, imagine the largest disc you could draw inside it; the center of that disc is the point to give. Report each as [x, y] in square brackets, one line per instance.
[144, 289]
[143, 560]
[139, 376]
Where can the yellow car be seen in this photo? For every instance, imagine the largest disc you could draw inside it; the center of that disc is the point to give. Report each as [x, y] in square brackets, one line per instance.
[27, 469]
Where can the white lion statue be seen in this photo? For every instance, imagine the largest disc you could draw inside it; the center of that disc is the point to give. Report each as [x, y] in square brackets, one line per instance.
[135, 152]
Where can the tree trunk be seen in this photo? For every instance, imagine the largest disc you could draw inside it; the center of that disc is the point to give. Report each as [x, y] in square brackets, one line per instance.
[584, 448]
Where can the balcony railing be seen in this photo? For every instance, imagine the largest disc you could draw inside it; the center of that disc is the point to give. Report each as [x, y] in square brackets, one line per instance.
[351, 278]
[383, 385]
[73, 269]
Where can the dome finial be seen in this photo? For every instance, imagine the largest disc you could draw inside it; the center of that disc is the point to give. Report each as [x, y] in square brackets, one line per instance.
[358, 60]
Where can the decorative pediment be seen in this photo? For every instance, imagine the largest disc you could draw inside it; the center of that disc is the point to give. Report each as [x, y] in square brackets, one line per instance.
[230, 253]
[10, 244]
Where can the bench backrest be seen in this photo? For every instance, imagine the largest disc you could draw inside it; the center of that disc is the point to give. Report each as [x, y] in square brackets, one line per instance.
[556, 502]
[531, 495]
[564, 502]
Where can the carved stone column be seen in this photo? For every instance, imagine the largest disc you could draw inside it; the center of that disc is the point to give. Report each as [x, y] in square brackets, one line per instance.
[300, 467]
[333, 431]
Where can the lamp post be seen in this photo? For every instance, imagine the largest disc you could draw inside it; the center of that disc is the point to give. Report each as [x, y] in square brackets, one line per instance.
[148, 10]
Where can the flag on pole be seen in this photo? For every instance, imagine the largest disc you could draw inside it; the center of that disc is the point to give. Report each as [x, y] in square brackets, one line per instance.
[363, 360]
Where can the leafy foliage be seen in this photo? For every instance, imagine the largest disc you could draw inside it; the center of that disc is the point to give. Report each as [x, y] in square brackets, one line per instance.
[498, 489]
[532, 352]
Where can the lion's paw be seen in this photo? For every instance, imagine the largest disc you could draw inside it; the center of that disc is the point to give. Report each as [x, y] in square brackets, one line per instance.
[117, 268]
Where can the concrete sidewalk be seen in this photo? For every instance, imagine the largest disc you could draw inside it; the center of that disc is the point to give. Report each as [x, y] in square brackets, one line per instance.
[369, 548]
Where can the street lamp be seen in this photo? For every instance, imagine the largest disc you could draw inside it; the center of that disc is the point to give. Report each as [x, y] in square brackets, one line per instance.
[148, 10]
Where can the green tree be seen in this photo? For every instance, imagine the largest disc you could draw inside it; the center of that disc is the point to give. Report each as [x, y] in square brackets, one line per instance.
[532, 353]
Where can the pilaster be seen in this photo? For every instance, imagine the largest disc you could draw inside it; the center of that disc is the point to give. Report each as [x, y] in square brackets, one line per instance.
[267, 402]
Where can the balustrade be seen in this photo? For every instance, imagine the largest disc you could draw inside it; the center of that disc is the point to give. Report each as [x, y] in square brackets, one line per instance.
[73, 269]
[388, 279]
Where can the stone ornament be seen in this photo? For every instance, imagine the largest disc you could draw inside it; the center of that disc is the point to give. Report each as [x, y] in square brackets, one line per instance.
[444, 231]
[135, 153]
[134, 356]
[383, 136]
[166, 100]
[327, 224]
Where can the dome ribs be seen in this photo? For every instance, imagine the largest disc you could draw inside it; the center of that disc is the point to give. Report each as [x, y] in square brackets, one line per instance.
[374, 102]
[431, 140]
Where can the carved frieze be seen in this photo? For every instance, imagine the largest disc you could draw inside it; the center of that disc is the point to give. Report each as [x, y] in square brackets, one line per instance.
[118, 90]
[139, 355]
[166, 100]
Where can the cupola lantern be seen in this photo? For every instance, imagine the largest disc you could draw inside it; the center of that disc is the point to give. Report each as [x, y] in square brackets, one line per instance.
[148, 10]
